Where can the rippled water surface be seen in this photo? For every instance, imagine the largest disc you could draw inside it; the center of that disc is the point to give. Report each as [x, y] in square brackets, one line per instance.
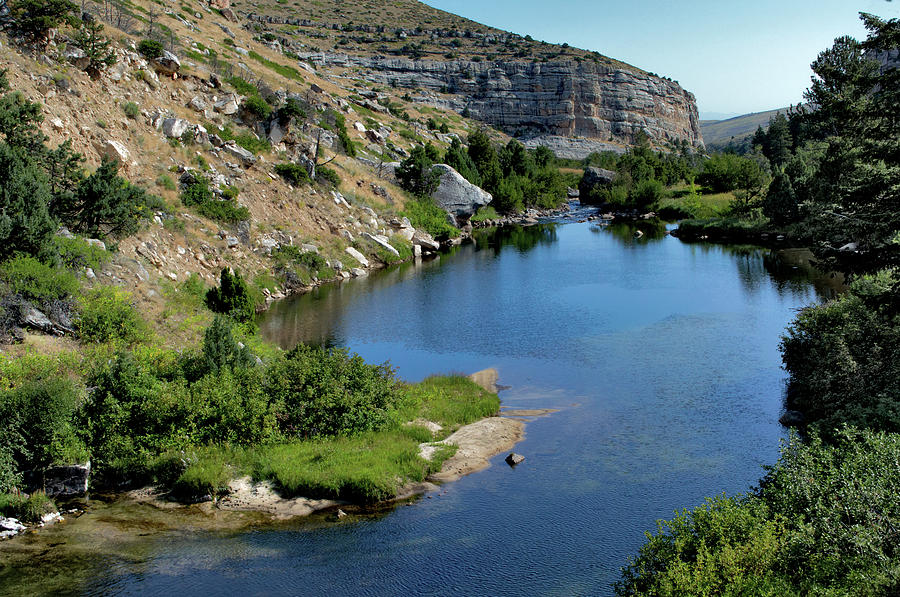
[662, 358]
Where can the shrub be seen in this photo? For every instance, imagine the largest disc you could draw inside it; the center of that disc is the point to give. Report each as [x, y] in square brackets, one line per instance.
[232, 297]
[197, 193]
[425, 214]
[106, 314]
[293, 173]
[76, 253]
[150, 48]
[26, 509]
[328, 391]
[131, 110]
[329, 176]
[165, 181]
[37, 281]
[224, 211]
[257, 107]
[38, 419]
[417, 174]
[242, 86]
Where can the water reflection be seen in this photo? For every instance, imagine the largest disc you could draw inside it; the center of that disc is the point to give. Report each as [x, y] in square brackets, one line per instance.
[522, 238]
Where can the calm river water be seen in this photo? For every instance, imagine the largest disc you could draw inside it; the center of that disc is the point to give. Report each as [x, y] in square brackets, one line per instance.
[662, 358]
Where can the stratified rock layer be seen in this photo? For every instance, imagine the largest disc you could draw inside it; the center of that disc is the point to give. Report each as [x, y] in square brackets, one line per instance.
[562, 99]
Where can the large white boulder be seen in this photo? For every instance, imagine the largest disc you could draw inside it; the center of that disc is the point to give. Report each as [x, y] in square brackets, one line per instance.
[457, 196]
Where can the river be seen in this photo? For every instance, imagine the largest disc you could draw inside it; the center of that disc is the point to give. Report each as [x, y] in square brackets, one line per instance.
[661, 358]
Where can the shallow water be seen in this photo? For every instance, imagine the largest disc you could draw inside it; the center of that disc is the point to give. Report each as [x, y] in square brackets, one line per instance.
[661, 356]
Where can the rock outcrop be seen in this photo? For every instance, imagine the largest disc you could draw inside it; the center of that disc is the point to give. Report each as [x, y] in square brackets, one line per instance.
[592, 179]
[596, 102]
[457, 196]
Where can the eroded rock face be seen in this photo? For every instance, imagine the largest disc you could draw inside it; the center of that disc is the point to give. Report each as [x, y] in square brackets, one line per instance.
[457, 196]
[562, 99]
[69, 480]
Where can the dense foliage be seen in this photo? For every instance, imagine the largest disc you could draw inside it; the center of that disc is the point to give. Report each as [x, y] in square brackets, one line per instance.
[232, 297]
[825, 519]
[516, 177]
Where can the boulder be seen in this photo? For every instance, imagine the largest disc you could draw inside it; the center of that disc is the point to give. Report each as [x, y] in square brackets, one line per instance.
[174, 128]
[383, 242]
[167, 64]
[513, 459]
[68, 480]
[197, 103]
[115, 151]
[594, 178]
[358, 256]
[426, 241]
[77, 58]
[457, 196]
[228, 105]
[246, 157]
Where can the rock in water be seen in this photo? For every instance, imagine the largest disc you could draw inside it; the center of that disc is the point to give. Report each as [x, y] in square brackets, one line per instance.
[457, 196]
[513, 459]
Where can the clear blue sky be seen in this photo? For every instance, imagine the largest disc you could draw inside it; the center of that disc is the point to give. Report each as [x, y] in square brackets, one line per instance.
[736, 57]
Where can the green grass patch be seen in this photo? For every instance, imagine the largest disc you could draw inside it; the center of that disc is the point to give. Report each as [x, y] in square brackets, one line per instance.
[450, 400]
[425, 214]
[26, 509]
[485, 213]
[288, 72]
[365, 468]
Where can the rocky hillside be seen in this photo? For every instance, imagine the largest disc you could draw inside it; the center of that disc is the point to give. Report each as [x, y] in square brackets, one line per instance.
[543, 92]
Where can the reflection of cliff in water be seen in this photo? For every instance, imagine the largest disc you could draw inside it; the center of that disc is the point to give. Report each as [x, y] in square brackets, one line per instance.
[523, 238]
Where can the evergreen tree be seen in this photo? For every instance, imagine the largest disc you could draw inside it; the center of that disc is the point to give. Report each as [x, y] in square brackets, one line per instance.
[221, 350]
[458, 158]
[417, 175]
[35, 18]
[104, 204]
[780, 204]
[25, 222]
[483, 154]
[95, 46]
[232, 297]
[778, 141]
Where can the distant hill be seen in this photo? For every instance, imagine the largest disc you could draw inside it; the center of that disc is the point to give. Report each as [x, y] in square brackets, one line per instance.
[719, 133]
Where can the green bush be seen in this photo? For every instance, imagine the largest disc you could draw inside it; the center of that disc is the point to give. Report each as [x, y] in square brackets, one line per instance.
[224, 211]
[232, 297]
[257, 107]
[328, 391]
[242, 86]
[840, 358]
[425, 214]
[150, 48]
[37, 281]
[37, 416]
[106, 314]
[165, 181]
[328, 176]
[293, 173]
[26, 509]
[76, 253]
[131, 109]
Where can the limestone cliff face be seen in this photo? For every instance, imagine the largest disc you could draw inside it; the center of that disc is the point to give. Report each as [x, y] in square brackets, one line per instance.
[567, 99]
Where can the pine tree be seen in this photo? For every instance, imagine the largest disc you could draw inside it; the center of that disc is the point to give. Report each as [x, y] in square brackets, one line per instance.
[94, 46]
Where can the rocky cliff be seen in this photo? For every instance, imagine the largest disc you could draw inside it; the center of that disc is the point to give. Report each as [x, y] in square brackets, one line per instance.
[599, 105]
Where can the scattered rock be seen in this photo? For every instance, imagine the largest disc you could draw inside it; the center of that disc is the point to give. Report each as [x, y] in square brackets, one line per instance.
[167, 64]
[198, 104]
[239, 152]
[513, 459]
[358, 256]
[383, 242]
[174, 128]
[116, 151]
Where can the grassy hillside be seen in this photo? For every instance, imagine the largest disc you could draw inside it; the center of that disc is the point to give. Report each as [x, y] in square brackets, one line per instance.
[718, 133]
[405, 28]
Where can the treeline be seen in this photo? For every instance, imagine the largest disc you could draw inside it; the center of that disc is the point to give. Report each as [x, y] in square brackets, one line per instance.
[516, 177]
[825, 518]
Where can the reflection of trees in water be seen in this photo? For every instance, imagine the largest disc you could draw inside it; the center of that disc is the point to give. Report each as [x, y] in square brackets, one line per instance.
[653, 231]
[792, 271]
[523, 238]
[315, 317]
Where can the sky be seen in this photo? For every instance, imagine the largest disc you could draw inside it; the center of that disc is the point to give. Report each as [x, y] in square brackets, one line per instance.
[736, 57]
